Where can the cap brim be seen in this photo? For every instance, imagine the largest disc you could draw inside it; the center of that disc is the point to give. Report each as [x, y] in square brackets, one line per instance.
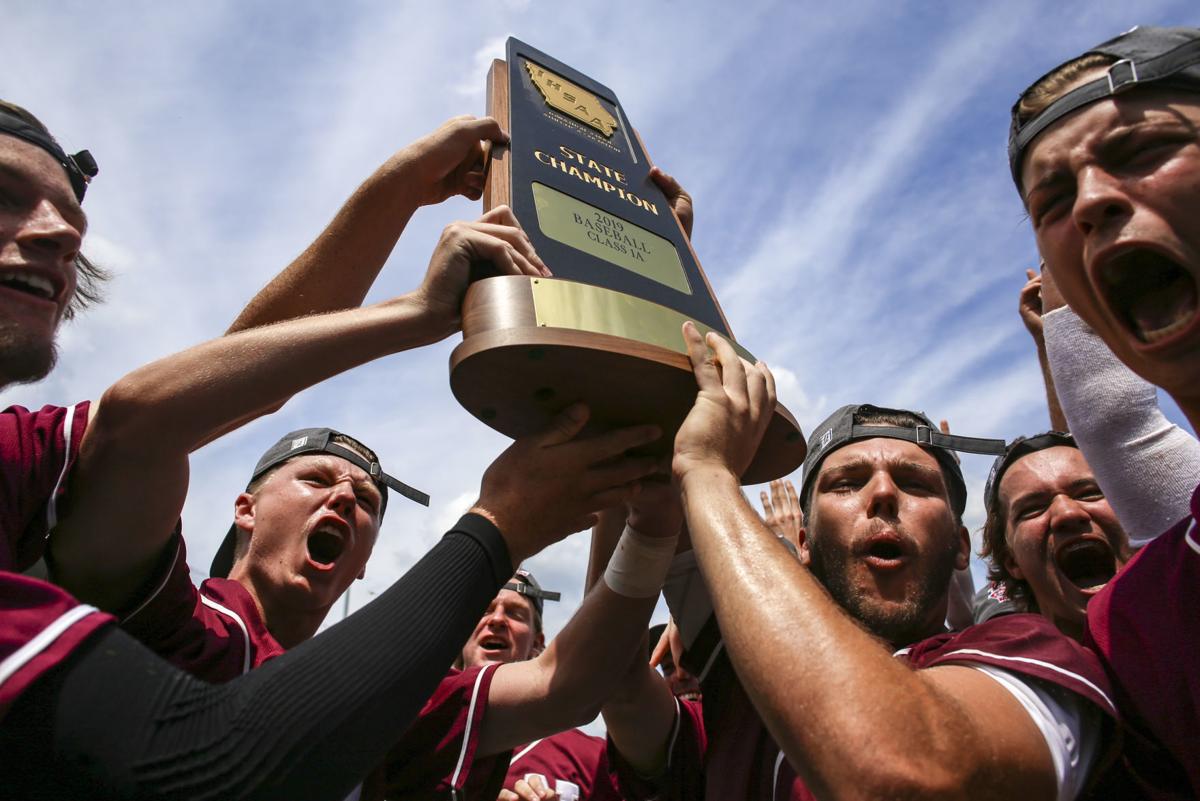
[222, 563]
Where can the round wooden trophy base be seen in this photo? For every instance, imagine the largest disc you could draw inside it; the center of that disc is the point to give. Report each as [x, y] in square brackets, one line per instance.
[532, 346]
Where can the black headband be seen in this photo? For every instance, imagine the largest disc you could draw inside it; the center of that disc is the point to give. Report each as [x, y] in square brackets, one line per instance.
[1019, 448]
[80, 168]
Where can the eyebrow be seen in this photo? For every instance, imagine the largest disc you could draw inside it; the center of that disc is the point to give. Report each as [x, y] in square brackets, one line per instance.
[861, 464]
[66, 203]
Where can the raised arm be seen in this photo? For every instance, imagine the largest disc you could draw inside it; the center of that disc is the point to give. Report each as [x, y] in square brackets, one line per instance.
[846, 714]
[1031, 308]
[1145, 464]
[337, 269]
[132, 475]
[567, 684]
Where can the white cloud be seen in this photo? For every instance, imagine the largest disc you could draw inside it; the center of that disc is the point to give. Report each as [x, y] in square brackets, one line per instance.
[854, 209]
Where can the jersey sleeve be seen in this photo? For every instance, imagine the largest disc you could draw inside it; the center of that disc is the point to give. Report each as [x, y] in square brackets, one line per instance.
[40, 625]
[37, 453]
[438, 755]
[683, 777]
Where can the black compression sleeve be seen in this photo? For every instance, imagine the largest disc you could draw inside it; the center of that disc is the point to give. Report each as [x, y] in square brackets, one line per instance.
[117, 721]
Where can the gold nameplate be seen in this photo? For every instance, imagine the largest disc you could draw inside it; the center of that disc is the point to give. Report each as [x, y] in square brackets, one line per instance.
[570, 99]
[583, 307]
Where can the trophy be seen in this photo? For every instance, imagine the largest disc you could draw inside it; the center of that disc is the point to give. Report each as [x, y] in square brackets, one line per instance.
[605, 329]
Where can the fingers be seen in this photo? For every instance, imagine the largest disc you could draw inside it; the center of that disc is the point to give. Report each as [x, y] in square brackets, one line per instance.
[677, 196]
[733, 371]
[768, 509]
[661, 648]
[507, 795]
[565, 425]
[614, 443]
[703, 367]
[518, 239]
[477, 128]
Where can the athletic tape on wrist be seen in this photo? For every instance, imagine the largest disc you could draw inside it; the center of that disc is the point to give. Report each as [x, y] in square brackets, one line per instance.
[639, 564]
[687, 596]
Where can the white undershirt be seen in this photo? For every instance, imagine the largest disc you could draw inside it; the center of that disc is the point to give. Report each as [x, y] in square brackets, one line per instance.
[1070, 724]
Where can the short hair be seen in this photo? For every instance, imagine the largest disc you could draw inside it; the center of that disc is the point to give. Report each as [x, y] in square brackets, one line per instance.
[242, 543]
[89, 276]
[898, 418]
[1053, 85]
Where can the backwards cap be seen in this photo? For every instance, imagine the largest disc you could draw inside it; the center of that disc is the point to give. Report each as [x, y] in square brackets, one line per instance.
[841, 428]
[80, 168]
[1018, 449]
[1158, 56]
[525, 584]
[314, 440]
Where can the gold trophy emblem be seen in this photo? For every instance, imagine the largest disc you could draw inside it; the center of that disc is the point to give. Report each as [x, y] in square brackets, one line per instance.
[571, 100]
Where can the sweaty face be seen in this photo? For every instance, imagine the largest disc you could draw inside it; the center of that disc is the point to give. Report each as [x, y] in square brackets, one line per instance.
[41, 229]
[1063, 537]
[312, 527]
[882, 537]
[1113, 192]
[506, 632]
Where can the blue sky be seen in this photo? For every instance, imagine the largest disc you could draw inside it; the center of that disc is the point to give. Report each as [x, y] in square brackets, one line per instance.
[854, 210]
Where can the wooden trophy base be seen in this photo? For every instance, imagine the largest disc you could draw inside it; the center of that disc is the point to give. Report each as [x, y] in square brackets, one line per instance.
[532, 346]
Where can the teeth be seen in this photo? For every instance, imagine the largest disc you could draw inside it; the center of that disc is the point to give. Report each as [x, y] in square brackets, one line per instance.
[37, 284]
[1166, 331]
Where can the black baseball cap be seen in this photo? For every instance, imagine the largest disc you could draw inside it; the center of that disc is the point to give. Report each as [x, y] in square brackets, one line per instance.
[80, 168]
[1145, 55]
[308, 441]
[525, 584]
[1017, 449]
[842, 428]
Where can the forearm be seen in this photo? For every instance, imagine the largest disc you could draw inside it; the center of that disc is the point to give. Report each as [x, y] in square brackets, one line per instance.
[567, 685]
[842, 709]
[1058, 421]
[639, 717]
[182, 739]
[336, 271]
[605, 535]
[1145, 464]
[132, 476]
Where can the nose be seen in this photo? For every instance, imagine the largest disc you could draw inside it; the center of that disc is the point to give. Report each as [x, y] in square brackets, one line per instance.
[45, 230]
[1100, 200]
[883, 496]
[342, 499]
[1067, 514]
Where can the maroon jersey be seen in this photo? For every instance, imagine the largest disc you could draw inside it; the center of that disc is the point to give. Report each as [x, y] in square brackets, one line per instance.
[37, 452]
[216, 633]
[571, 762]
[720, 748]
[1144, 626]
[39, 623]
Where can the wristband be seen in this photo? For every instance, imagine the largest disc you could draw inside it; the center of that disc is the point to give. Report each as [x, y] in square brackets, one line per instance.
[639, 564]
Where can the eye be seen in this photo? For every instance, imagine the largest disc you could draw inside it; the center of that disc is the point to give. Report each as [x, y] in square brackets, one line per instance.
[1049, 206]
[1029, 512]
[368, 501]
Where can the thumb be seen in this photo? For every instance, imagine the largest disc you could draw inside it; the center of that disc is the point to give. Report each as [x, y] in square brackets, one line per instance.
[566, 424]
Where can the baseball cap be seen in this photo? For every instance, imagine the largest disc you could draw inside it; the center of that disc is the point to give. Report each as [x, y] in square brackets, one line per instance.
[308, 441]
[81, 167]
[841, 428]
[1017, 449]
[1145, 55]
[524, 583]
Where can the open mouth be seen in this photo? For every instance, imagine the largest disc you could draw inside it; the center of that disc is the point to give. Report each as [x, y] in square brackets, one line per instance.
[1087, 563]
[1154, 295]
[29, 283]
[325, 545]
[493, 645]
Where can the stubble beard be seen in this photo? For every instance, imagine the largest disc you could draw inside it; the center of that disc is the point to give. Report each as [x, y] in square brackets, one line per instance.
[900, 624]
[24, 356]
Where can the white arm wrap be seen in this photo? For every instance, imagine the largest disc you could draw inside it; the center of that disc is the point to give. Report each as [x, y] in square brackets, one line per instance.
[639, 564]
[1146, 465]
